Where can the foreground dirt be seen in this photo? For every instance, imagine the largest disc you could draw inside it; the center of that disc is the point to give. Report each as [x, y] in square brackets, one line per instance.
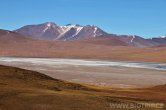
[28, 90]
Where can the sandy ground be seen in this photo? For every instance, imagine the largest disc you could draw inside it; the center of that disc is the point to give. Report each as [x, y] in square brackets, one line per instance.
[103, 73]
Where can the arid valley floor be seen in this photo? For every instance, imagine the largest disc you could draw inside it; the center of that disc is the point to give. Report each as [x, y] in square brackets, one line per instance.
[95, 87]
[29, 90]
[119, 74]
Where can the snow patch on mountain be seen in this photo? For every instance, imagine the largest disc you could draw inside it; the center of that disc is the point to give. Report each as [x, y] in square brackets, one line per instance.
[133, 37]
[67, 28]
[94, 32]
[45, 29]
[78, 31]
[162, 37]
[48, 25]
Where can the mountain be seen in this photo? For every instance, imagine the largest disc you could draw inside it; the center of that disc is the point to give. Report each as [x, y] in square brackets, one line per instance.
[6, 35]
[51, 31]
[161, 40]
[41, 31]
[132, 40]
[108, 47]
[105, 40]
[15, 44]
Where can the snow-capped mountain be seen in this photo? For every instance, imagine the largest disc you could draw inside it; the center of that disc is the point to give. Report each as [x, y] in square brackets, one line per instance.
[163, 37]
[51, 31]
[133, 40]
[161, 40]
[42, 31]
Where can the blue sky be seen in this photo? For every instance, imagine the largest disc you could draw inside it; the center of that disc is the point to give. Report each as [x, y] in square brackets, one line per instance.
[146, 18]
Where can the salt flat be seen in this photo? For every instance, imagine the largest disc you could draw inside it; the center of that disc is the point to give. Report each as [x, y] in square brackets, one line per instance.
[96, 72]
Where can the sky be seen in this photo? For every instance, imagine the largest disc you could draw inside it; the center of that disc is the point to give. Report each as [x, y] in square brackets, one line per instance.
[146, 18]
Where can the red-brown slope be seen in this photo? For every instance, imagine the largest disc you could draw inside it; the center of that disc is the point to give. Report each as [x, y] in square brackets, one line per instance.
[13, 44]
[103, 40]
[9, 36]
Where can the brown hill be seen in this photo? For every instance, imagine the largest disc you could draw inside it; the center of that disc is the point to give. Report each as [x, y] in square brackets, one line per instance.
[14, 44]
[28, 90]
[103, 40]
[9, 36]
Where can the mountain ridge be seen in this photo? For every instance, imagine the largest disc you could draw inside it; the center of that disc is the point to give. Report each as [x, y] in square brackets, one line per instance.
[51, 31]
